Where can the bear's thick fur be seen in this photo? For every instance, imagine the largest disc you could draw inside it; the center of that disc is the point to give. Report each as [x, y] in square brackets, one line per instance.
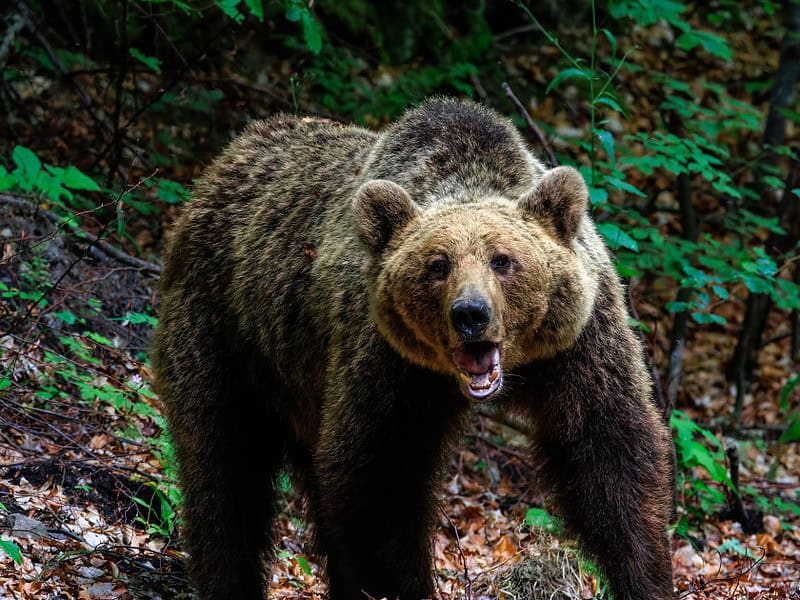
[333, 300]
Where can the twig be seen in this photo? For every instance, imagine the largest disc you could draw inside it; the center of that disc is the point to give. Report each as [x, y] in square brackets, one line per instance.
[658, 390]
[99, 117]
[86, 100]
[515, 31]
[467, 580]
[505, 449]
[476, 83]
[740, 512]
[118, 132]
[94, 240]
[14, 24]
[775, 338]
[551, 158]
[491, 411]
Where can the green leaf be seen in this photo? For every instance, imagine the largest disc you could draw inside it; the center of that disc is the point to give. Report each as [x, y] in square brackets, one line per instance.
[720, 291]
[787, 389]
[706, 318]
[27, 161]
[616, 237]
[597, 196]
[566, 74]
[77, 180]
[792, 433]
[135, 318]
[12, 550]
[230, 8]
[302, 562]
[96, 337]
[624, 186]
[66, 317]
[774, 182]
[786, 506]
[294, 10]
[312, 32]
[611, 40]
[151, 62]
[609, 102]
[539, 518]
[756, 284]
[677, 307]
[256, 8]
[607, 140]
[713, 44]
[172, 192]
[7, 181]
[638, 324]
[736, 546]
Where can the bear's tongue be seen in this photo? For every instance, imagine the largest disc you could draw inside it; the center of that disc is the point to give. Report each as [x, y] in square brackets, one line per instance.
[479, 363]
[476, 358]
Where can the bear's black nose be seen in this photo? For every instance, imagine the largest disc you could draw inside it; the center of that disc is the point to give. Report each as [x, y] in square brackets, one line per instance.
[470, 317]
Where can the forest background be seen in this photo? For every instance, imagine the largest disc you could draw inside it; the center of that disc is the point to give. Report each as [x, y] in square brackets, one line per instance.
[681, 116]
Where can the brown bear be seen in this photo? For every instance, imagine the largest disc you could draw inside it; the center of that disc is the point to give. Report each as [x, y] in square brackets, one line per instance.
[332, 302]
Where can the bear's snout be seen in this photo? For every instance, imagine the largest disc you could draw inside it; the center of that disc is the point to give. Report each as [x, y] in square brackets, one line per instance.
[470, 317]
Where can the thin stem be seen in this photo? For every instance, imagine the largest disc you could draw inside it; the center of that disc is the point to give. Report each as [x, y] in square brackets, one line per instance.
[550, 38]
[616, 70]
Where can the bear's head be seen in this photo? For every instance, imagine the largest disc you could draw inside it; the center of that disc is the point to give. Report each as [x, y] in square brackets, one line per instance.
[477, 287]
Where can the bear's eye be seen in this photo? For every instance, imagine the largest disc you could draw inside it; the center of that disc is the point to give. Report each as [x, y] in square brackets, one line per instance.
[501, 263]
[439, 269]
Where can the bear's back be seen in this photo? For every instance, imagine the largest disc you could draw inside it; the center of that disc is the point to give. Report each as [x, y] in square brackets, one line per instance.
[448, 148]
[270, 182]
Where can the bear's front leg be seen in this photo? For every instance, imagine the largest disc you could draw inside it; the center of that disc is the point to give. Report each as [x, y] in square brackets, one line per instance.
[605, 452]
[383, 440]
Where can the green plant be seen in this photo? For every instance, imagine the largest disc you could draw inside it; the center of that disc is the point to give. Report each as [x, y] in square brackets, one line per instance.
[56, 184]
[539, 518]
[299, 11]
[697, 447]
[77, 373]
[35, 281]
[792, 432]
[162, 520]
[708, 267]
[9, 546]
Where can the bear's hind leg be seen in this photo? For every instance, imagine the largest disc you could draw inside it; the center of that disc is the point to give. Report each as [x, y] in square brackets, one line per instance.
[229, 451]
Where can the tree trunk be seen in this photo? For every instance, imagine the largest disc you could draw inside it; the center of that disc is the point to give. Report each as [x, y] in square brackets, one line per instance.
[783, 91]
[680, 322]
[778, 246]
[758, 305]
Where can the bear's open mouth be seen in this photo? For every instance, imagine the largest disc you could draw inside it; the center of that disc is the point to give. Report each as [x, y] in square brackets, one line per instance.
[479, 368]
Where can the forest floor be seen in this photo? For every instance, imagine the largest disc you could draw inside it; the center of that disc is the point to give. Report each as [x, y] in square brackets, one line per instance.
[77, 478]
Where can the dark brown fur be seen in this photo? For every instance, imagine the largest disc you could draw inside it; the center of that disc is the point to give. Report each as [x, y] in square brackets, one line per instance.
[297, 328]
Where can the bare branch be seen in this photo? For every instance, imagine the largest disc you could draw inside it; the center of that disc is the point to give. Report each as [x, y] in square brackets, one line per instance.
[551, 157]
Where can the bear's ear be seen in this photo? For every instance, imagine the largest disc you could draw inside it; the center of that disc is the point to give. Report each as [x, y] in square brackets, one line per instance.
[380, 208]
[559, 201]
